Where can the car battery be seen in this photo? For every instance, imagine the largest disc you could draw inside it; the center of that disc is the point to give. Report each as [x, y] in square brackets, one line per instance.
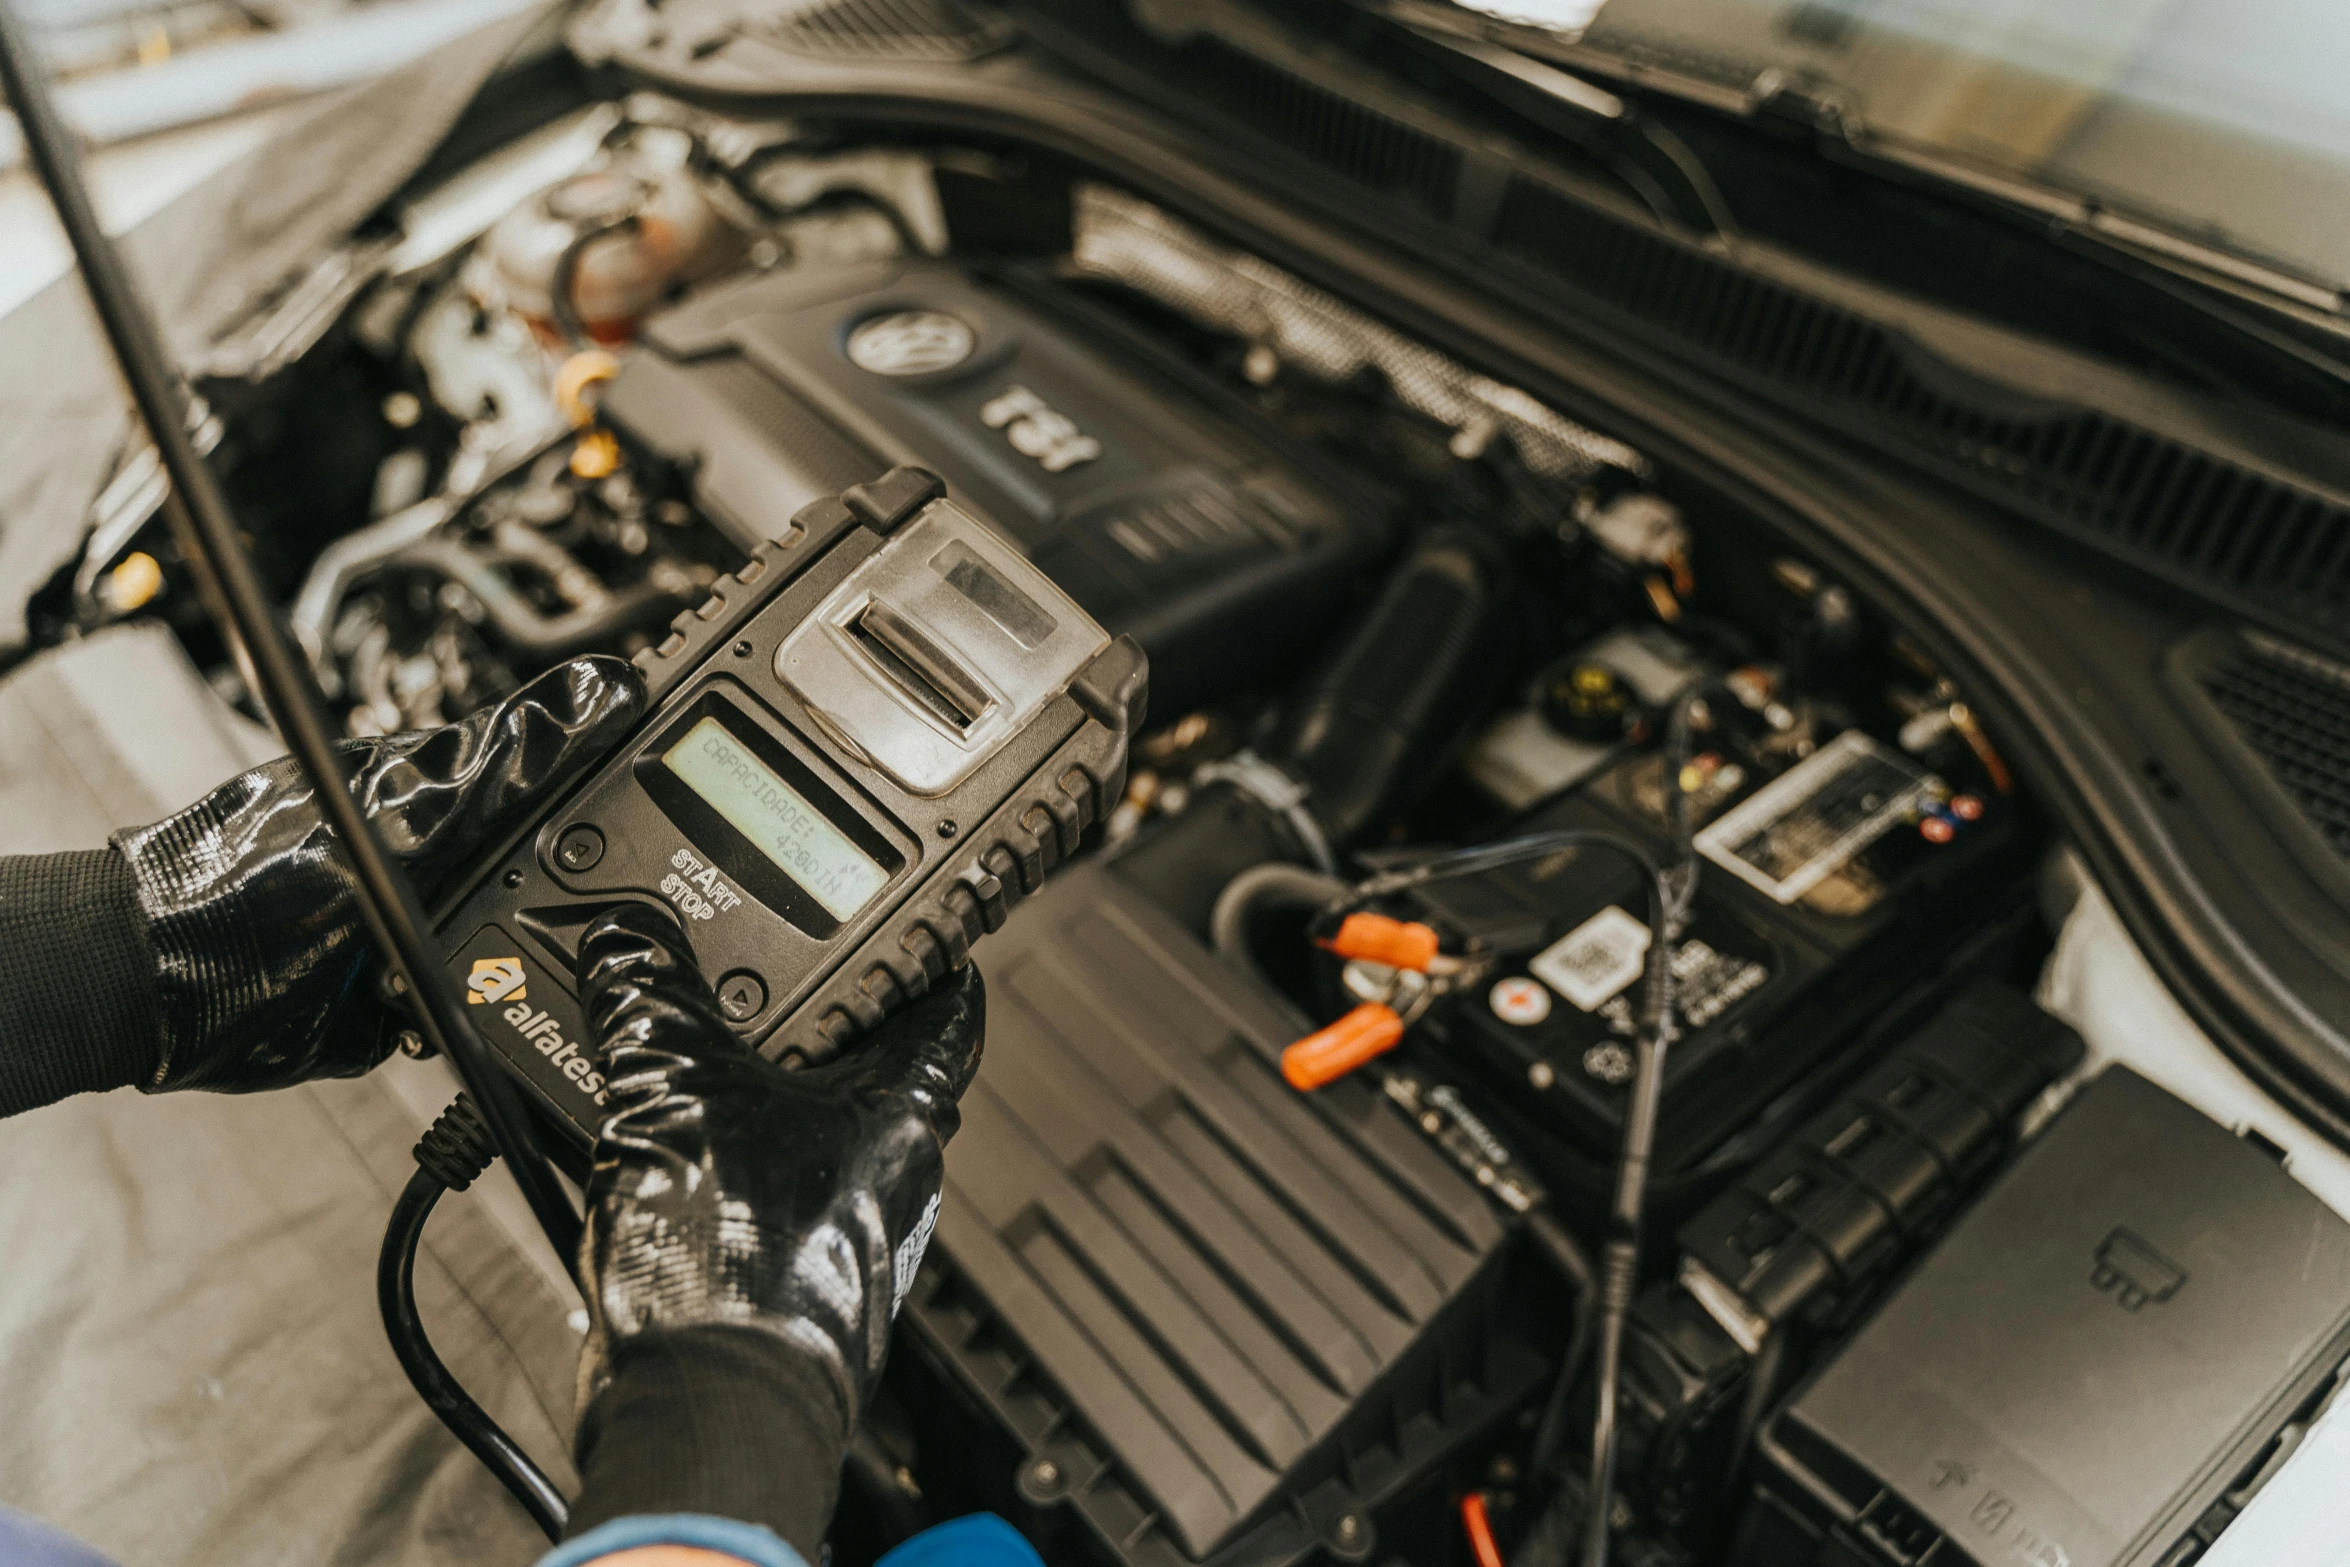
[1826, 894]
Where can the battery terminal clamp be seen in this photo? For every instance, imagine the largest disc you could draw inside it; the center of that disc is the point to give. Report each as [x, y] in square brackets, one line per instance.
[1395, 970]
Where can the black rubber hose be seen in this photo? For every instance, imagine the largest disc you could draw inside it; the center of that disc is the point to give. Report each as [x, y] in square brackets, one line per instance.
[521, 624]
[563, 285]
[449, 1157]
[1361, 736]
[1275, 882]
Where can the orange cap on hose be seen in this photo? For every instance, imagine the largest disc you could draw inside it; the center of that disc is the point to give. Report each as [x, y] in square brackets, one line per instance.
[1375, 937]
[1328, 1054]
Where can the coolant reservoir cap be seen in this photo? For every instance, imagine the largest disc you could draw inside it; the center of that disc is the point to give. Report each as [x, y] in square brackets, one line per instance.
[597, 196]
[1586, 701]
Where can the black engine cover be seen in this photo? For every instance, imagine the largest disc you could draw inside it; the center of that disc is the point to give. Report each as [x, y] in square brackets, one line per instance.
[1230, 1316]
[1145, 492]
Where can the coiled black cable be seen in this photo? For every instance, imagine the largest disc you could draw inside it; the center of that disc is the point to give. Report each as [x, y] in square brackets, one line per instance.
[450, 1156]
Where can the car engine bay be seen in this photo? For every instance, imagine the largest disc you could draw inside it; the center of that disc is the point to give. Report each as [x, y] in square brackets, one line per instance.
[1271, 1237]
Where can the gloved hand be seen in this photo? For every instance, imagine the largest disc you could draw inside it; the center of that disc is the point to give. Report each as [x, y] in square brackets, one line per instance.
[751, 1233]
[264, 973]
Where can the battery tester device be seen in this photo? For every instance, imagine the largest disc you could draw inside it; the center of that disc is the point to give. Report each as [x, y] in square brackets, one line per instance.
[863, 749]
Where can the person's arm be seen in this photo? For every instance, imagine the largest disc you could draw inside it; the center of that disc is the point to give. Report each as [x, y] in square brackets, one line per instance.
[223, 947]
[79, 1007]
[750, 1235]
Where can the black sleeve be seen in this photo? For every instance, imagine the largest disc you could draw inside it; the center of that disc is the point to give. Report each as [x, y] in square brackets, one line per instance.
[78, 1005]
[721, 1421]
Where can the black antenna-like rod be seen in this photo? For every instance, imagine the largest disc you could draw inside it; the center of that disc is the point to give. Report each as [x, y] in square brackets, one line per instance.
[207, 536]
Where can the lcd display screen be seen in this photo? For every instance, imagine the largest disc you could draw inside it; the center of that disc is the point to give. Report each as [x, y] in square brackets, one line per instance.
[776, 818]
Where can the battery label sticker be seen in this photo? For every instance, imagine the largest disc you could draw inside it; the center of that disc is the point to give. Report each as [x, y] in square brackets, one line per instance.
[1808, 823]
[1595, 960]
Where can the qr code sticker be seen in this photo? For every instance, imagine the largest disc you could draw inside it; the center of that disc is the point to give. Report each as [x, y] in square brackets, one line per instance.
[1596, 959]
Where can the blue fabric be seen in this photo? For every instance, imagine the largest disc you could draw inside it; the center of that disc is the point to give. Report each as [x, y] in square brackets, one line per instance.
[743, 1541]
[24, 1543]
[981, 1540]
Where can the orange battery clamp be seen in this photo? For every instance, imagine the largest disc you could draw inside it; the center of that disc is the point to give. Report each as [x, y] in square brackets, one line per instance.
[1376, 938]
[1328, 1054]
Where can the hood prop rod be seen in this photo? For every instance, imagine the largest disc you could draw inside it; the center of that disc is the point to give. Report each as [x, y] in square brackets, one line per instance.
[206, 533]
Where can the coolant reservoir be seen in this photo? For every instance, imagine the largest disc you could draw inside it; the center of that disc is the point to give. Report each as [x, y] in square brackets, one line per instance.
[633, 229]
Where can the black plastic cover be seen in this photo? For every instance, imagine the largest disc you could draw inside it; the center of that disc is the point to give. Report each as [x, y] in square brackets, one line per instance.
[2084, 1364]
[1808, 1237]
[1855, 1188]
[1167, 517]
[1229, 1315]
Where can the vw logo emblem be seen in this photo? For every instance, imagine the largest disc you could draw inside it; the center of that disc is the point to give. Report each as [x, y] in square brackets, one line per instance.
[910, 342]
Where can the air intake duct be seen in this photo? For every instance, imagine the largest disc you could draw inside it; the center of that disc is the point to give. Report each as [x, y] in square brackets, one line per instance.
[1363, 736]
[1356, 743]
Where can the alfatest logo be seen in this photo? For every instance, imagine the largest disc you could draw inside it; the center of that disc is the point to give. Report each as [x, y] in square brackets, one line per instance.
[546, 1036]
[501, 979]
[495, 979]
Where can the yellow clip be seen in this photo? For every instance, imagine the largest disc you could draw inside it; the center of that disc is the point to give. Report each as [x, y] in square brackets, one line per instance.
[582, 370]
[595, 455]
[134, 582]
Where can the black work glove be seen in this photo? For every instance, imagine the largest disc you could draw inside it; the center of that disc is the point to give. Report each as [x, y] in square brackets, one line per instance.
[264, 972]
[750, 1235]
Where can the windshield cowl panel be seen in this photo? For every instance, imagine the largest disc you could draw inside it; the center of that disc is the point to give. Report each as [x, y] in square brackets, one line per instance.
[2215, 122]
